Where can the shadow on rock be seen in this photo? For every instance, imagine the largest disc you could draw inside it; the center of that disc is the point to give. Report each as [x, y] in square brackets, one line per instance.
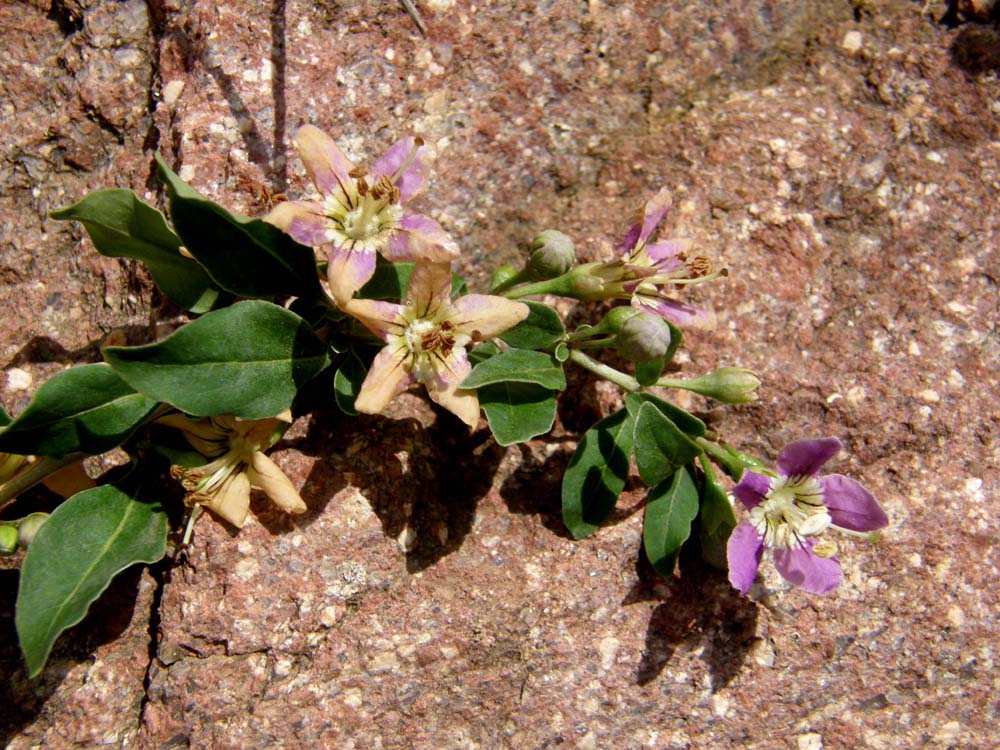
[700, 606]
[976, 49]
[24, 698]
[422, 476]
[534, 488]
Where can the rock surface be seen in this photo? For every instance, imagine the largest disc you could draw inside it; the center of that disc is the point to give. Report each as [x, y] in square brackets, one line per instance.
[842, 159]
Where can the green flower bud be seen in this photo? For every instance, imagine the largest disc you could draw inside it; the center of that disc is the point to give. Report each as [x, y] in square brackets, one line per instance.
[8, 540]
[643, 337]
[730, 385]
[29, 526]
[502, 275]
[552, 255]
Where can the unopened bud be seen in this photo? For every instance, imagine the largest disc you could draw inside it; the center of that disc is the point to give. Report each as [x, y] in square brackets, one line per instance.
[29, 526]
[730, 385]
[552, 255]
[8, 540]
[643, 337]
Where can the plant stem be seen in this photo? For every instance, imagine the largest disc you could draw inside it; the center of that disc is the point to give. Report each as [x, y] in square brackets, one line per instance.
[619, 378]
[28, 479]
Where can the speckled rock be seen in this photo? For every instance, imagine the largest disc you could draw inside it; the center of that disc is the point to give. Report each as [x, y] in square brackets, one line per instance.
[841, 159]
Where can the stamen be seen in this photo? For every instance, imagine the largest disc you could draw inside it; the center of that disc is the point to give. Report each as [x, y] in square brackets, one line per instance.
[701, 266]
[418, 142]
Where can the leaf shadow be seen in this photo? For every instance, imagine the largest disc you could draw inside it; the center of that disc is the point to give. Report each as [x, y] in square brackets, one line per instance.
[534, 487]
[698, 607]
[423, 477]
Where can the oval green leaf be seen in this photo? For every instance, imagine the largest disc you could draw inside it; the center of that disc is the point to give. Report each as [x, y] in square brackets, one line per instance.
[86, 409]
[671, 507]
[85, 543]
[689, 423]
[596, 474]
[520, 366]
[517, 412]
[122, 226]
[347, 383]
[716, 520]
[248, 360]
[661, 448]
[542, 328]
[245, 256]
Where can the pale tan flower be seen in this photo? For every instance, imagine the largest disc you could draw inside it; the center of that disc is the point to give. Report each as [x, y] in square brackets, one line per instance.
[238, 463]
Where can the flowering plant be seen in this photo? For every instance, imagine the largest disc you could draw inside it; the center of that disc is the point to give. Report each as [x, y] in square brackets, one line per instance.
[350, 297]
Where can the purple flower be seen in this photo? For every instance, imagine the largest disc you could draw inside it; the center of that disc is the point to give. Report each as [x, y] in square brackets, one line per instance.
[361, 214]
[650, 266]
[788, 512]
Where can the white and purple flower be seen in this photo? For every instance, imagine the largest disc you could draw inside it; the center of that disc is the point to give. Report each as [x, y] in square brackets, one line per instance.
[360, 214]
[650, 266]
[790, 510]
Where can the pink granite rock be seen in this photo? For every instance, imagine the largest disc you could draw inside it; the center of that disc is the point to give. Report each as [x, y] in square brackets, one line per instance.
[842, 166]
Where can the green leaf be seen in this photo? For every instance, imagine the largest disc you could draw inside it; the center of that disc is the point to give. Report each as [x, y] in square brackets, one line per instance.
[689, 423]
[518, 365]
[647, 373]
[347, 383]
[85, 543]
[86, 409]
[596, 474]
[716, 520]
[517, 412]
[561, 352]
[391, 279]
[245, 256]
[4, 417]
[661, 448]
[483, 352]
[122, 226]
[540, 329]
[671, 507]
[247, 360]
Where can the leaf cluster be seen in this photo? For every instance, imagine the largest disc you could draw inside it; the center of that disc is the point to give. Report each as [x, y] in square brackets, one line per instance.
[262, 339]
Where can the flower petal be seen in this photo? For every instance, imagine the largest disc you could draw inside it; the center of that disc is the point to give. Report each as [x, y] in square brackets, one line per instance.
[752, 489]
[420, 238]
[230, 501]
[387, 378]
[663, 255]
[851, 506]
[303, 220]
[799, 566]
[429, 289]
[743, 553]
[645, 224]
[347, 271]
[804, 458]
[449, 372]
[266, 475]
[676, 312]
[381, 318]
[327, 166]
[483, 316]
[411, 179]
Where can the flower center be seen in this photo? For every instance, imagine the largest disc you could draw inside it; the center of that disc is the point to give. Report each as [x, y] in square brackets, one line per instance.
[361, 215]
[792, 509]
[428, 342]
